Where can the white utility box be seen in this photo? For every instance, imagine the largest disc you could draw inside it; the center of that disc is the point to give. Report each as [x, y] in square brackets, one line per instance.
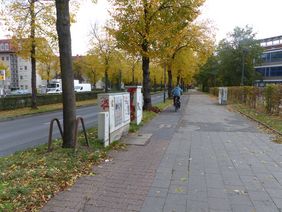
[136, 103]
[222, 95]
[118, 107]
[103, 128]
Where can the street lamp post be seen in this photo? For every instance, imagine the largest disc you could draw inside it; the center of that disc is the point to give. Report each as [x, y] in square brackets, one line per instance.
[243, 67]
[164, 81]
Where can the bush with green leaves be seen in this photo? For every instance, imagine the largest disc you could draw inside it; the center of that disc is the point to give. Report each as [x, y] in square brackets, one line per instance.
[269, 98]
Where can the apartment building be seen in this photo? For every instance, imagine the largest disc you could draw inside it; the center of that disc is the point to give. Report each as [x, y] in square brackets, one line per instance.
[20, 68]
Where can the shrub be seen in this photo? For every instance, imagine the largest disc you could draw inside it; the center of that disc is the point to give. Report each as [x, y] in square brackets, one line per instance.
[14, 102]
[269, 98]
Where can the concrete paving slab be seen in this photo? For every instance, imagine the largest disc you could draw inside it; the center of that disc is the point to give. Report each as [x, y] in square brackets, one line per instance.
[202, 158]
[137, 139]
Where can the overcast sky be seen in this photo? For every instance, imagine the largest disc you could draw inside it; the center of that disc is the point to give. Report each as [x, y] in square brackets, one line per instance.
[264, 16]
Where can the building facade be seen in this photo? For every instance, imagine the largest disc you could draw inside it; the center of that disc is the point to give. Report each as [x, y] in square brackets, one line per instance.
[20, 68]
[271, 60]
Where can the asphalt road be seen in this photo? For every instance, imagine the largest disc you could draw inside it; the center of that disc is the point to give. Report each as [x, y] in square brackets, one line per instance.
[29, 131]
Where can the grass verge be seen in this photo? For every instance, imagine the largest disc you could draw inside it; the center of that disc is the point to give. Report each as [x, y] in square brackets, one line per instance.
[272, 122]
[28, 179]
[41, 109]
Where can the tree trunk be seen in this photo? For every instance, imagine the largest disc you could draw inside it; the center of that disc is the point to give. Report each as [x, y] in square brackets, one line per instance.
[69, 110]
[169, 86]
[164, 82]
[178, 79]
[146, 60]
[94, 77]
[119, 80]
[106, 80]
[155, 84]
[32, 56]
[182, 84]
[146, 83]
[133, 70]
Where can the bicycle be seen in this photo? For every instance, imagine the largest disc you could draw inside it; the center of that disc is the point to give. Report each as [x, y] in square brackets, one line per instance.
[177, 103]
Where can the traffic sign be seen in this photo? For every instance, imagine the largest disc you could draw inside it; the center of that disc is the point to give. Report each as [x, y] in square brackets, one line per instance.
[2, 74]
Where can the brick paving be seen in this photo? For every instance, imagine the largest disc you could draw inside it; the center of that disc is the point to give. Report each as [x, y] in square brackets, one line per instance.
[203, 158]
[123, 183]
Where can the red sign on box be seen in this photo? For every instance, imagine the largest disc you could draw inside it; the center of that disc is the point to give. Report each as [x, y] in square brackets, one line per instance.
[132, 106]
[105, 104]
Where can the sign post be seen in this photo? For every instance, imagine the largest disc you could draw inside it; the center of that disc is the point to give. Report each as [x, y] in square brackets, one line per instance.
[2, 78]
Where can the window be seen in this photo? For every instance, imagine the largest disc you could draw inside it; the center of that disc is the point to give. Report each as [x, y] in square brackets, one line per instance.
[21, 77]
[276, 56]
[261, 71]
[7, 58]
[26, 87]
[276, 71]
[25, 67]
[6, 46]
[2, 46]
[3, 58]
[264, 57]
[268, 57]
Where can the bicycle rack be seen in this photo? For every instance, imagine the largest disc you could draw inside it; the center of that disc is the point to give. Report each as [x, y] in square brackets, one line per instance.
[51, 132]
[80, 119]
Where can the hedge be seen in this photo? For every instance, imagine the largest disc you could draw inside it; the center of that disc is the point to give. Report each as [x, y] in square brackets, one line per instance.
[268, 98]
[14, 102]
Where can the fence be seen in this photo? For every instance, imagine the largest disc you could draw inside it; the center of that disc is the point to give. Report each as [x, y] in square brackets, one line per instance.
[268, 99]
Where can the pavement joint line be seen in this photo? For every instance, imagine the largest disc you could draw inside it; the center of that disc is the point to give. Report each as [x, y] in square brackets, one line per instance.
[163, 174]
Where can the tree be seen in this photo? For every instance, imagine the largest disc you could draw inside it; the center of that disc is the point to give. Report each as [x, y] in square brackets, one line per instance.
[90, 67]
[225, 68]
[4, 66]
[140, 25]
[78, 68]
[133, 61]
[132, 69]
[238, 50]
[64, 35]
[185, 51]
[104, 46]
[207, 76]
[49, 64]
[29, 20]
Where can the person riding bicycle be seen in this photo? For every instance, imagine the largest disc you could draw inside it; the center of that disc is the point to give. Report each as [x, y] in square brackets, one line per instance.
[176, 92]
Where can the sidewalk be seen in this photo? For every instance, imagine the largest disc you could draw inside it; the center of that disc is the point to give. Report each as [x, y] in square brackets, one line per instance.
[202, 158]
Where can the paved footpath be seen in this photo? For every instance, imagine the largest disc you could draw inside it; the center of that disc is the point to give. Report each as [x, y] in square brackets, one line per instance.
[202, 158]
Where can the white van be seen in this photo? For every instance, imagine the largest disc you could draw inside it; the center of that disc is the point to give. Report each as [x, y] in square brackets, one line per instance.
[84, 87]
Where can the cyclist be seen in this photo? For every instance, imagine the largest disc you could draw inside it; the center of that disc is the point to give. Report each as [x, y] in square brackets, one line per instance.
[176, 92]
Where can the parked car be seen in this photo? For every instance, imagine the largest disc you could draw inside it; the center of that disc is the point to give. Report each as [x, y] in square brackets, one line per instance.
[20, 92]
[54, 91]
